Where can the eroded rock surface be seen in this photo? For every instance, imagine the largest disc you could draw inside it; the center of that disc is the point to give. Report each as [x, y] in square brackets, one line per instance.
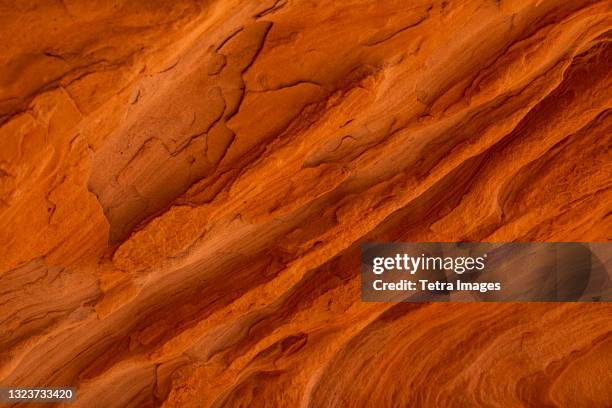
[184, 186]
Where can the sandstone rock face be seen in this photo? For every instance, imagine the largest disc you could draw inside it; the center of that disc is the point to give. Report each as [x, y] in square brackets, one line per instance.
[184, 186]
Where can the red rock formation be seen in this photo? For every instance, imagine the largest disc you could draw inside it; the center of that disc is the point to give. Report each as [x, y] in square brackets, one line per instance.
[184, 186]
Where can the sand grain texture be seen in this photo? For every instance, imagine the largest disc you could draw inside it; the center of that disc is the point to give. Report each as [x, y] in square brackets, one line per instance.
[184, 186]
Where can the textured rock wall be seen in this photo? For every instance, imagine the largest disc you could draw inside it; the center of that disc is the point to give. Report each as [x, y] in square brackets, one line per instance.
[184, 186]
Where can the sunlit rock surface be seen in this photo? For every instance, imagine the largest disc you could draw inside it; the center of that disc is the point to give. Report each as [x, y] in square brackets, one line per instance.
[184, 186]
